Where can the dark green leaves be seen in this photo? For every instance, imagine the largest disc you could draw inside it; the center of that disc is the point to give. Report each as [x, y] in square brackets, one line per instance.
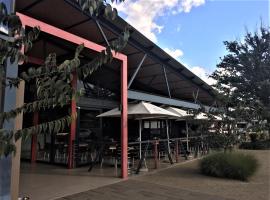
[243, 76]
[51, 82]
[99, 7]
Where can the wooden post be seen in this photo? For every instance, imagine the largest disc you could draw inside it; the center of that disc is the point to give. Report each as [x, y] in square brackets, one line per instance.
[15, 168]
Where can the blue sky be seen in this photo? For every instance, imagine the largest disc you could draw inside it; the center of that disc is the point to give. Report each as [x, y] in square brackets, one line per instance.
[193, 31]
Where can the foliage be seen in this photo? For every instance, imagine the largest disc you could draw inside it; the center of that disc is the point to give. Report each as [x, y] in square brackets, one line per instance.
[222, 141]
[243, 78]
[216, 133]
[257, 145]
[253, 137]
[52, 80]
[229, 165]
[99, 7]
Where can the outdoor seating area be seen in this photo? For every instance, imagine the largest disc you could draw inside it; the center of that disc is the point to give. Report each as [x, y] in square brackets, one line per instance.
[159, 136]
[106, 171]
[94, 92]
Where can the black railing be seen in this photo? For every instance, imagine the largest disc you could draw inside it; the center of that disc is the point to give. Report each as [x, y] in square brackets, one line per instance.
[140, 152]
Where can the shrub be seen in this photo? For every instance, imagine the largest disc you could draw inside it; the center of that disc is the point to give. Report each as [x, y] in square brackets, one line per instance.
[229, 165]
[258, 145]
[253, 137]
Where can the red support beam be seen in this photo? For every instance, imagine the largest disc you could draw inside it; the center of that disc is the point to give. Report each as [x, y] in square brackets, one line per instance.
[59, 33]
[34, 140]
[72, 126]
[124, 120]
[64, 35]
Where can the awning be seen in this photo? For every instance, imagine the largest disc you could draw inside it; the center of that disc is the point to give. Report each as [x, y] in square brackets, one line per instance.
[141, 110]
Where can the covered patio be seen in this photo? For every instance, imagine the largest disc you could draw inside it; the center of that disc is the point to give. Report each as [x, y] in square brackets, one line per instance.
[141, 72]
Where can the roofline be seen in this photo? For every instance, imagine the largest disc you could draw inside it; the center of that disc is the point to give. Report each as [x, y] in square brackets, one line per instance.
[113, 28]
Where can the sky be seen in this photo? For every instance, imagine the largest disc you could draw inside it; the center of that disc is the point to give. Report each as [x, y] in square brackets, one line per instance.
[193, 31]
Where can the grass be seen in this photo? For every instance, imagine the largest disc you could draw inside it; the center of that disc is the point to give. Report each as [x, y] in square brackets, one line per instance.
[232, 165]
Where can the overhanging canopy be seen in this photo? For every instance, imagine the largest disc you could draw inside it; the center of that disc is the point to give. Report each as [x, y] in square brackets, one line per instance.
[155, 69]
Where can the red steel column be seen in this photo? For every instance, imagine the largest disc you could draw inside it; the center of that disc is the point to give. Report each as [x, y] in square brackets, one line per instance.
[72, 126]
[34, 140]
[124, 121]
[31, 22]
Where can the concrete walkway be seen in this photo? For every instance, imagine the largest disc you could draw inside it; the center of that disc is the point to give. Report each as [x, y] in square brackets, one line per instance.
[47, 182]
[139, 190]
[185, 182]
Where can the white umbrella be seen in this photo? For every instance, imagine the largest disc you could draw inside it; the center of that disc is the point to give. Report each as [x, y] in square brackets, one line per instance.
[201, 116]
[142, 110]
[217, 118]
[182, 115]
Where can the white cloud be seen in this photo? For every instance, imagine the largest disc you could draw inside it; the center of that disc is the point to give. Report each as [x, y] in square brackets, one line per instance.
[142, 14]
[178, 28]
[175, 53]
[202, 73]
[186, 5]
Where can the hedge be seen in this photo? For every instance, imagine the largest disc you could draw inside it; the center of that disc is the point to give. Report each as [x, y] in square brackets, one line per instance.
[229, 165]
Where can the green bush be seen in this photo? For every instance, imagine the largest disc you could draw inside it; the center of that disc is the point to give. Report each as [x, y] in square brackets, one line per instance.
[253, 137]
[258, 145]
[229, 165]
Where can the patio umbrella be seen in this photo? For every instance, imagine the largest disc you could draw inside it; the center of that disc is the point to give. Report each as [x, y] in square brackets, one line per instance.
[140, 111]
[179, 112]
[182, 115]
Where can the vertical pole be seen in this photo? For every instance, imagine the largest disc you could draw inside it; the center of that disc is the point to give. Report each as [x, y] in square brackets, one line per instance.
[168, 137]
[34, 140]
[72, 126]
[140, 137]
[167, 83]
[176, 151]
[15, 168]
[156, 153]
[124, 121]
[18, 123]
[187, 136]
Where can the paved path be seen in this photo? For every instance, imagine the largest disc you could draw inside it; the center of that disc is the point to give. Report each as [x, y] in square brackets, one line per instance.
[187, 176]
[185, 182]
[140, 190]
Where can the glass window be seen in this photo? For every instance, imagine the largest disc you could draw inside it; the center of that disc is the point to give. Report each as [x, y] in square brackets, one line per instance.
[154, 124]
[146, 124]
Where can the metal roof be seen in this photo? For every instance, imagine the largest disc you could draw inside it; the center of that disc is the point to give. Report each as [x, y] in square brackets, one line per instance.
[66, 14]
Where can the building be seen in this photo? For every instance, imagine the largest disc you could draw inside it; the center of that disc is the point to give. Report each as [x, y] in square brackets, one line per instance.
[141, 72]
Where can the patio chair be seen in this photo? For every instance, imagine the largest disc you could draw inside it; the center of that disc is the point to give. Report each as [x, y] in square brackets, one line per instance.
[44, 153]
